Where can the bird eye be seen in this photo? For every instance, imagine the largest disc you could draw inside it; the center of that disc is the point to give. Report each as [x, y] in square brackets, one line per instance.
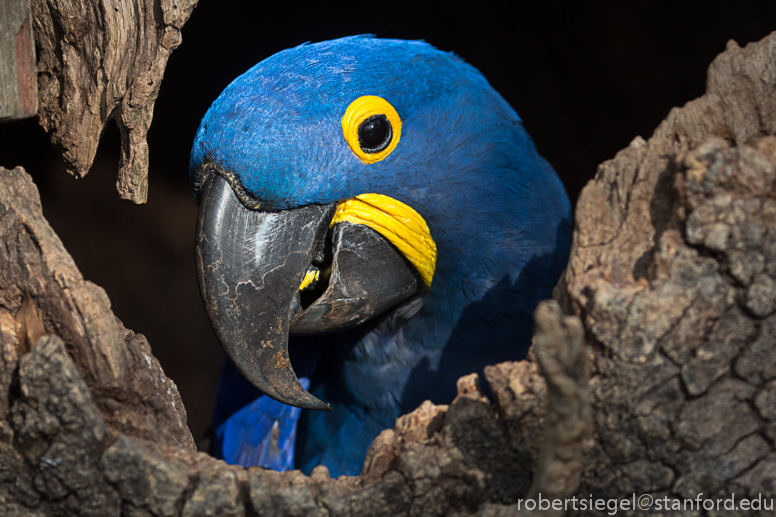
[371, 128]
[374, 134]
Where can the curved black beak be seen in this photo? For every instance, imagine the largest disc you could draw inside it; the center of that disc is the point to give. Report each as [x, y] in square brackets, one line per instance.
[250, 265]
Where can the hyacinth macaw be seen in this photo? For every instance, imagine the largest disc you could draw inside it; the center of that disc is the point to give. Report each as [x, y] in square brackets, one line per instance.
[374, 223]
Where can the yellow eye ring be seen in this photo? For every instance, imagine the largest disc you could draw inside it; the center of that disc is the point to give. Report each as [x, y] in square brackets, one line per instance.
[371, 128]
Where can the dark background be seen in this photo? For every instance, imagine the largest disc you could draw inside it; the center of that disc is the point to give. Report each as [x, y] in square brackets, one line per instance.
[585, 80]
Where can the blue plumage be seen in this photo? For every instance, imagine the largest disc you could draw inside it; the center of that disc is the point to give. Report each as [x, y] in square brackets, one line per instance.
[497, 212]
[262, 432]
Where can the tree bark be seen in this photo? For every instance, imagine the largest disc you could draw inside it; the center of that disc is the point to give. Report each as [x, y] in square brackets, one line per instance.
[101, 61]
[18, 86]
[672, 271]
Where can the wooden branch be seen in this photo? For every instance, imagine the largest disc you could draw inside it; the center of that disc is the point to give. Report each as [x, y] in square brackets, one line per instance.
[101, 61]
[18, 83]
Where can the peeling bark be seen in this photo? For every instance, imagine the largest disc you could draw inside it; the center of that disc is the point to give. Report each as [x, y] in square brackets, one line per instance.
[101, 61]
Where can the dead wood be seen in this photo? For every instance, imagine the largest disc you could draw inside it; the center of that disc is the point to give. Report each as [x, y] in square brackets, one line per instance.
[101, 61]
[18, 87]
[672, 270]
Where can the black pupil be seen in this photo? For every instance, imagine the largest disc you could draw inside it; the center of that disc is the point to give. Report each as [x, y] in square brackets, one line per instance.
[374, 134]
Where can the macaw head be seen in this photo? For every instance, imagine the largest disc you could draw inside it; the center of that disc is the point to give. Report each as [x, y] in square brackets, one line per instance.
[337, 179]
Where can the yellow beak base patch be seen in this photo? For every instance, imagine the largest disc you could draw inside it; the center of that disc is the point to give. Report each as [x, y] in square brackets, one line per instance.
[399, 223]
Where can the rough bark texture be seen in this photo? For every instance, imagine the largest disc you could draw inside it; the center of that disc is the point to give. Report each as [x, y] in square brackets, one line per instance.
[673, 274]
[99, 61]
[673, 270]
[18, 86]
[90, 425]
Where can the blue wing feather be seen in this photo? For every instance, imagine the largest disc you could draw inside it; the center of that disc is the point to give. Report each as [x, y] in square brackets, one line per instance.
[261, 432]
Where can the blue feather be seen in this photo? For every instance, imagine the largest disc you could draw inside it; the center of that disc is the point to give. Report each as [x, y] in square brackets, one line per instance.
[496, 209]
[260, 432]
